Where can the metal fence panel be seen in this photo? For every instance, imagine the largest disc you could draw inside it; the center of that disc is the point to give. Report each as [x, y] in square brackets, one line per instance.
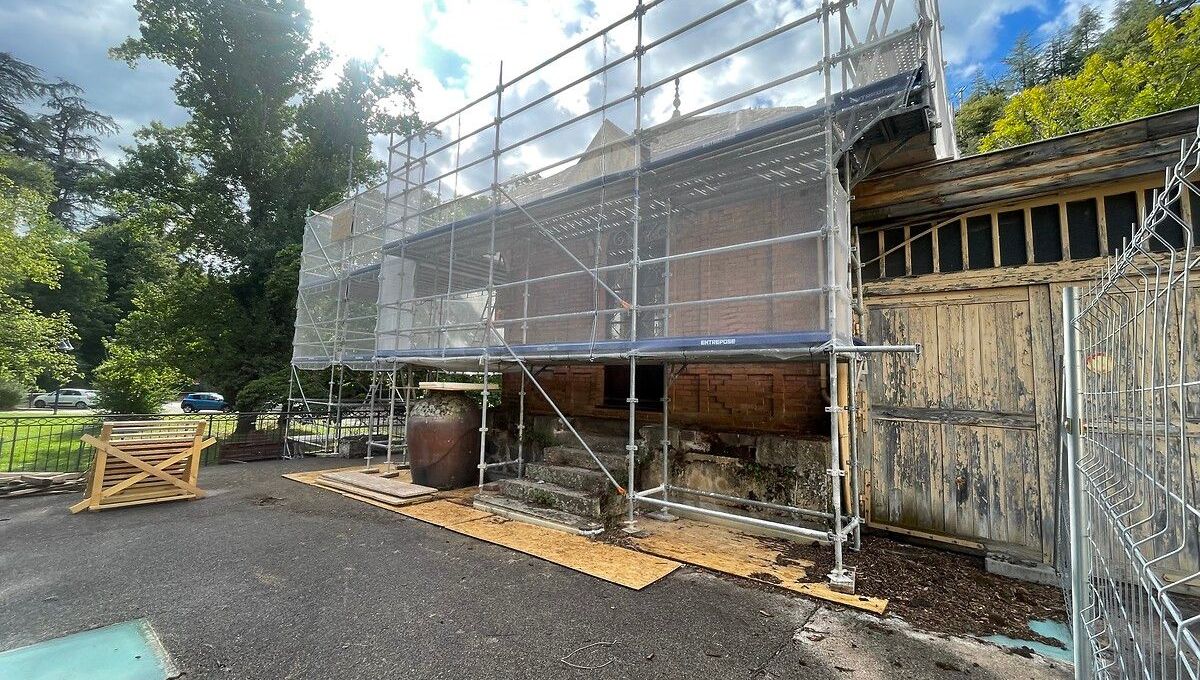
[1131, 558]
[51, 443]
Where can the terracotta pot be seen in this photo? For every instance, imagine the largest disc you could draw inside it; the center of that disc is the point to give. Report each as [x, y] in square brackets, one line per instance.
[443, 440]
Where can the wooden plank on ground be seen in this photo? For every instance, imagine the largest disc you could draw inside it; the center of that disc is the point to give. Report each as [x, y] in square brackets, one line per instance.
[731, 552]
[367, 494]
[380, 485]
[443, 513]
[611, 563]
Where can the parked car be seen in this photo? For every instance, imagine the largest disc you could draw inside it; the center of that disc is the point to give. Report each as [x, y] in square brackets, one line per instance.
[67, 396]
[203, 401]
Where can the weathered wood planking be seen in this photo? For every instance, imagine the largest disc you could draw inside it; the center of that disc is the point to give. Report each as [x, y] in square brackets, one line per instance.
[955, 435]
[1090, 157]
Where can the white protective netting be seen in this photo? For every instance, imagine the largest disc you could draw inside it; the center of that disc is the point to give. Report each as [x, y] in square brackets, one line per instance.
[660, 186]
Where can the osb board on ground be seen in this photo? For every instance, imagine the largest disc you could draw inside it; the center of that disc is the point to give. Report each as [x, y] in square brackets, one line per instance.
[627, 568]
[608, 562]
[731, 552]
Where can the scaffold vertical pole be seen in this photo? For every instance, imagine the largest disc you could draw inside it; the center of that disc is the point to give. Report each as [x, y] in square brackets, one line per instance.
[391, 421]
[838, 577]
[287, 416]
[483, 423]
[631, 445]
[490, 304]
[371, 414]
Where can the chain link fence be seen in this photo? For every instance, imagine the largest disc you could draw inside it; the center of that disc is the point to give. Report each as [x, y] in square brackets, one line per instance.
[1130, 552]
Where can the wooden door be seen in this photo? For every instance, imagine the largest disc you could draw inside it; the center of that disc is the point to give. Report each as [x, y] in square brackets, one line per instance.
[962, 440]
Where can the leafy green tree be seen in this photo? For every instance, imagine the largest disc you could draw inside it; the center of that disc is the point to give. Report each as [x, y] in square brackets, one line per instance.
[1160, 78]
[978, 113]
[81, 292]
[231, 187]
[31, 343]
[136, 381]
[1129, 21]
[241, 66]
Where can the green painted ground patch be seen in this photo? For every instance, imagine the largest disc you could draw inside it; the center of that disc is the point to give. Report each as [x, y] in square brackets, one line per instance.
[124, 651]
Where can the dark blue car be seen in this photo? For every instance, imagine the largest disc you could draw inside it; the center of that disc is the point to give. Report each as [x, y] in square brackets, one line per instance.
[203, 401]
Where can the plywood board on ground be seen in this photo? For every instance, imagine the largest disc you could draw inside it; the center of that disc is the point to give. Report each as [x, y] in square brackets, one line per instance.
[378, 484]
[611, 563]
[443, 513]
[608, 562]
[732, 552]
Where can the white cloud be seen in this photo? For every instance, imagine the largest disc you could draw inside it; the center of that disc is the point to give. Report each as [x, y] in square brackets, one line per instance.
[476, 35]
[971, 30]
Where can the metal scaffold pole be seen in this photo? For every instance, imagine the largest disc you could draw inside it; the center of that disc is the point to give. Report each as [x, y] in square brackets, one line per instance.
[631, 445]
[391, 420]
[839, 578]
[489, 305]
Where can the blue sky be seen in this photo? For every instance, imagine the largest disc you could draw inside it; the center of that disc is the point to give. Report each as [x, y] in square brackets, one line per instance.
[452, 46]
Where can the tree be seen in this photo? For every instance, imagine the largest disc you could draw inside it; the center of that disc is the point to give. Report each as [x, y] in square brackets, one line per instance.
[1083, 37]
[19, 82]
[1160, 78]
[131, 381]
[241, 65]
[978, 113]
[1024, 63]
[1056, 59]
[1130, 19]
[31, 343]
[81, 292]
[231, 187]
[19, 133]
[71, 149]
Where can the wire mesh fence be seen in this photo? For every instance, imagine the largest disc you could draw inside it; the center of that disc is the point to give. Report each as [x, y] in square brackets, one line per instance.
[48, 443]
[1131, 558]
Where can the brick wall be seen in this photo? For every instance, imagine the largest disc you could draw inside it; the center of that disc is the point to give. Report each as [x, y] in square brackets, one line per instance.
[784, 398]
[778, 398]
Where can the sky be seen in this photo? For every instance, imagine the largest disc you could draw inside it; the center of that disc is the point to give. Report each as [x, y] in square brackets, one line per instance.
[454, 48]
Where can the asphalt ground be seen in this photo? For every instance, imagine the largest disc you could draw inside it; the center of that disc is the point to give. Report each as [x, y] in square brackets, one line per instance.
[269, 578]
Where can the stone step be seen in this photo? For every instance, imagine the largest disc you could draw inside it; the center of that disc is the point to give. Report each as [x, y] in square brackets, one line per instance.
[607, 443]
[576, 457]
[578, 478]
[545, 495]
[550, 518]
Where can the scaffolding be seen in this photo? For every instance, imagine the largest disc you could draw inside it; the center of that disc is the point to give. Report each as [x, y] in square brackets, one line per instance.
[671, 189]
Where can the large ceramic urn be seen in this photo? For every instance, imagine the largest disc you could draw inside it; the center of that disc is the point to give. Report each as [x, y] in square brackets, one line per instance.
[443, 440]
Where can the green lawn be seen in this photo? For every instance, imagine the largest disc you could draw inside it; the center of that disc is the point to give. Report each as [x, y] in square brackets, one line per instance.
[30, 441]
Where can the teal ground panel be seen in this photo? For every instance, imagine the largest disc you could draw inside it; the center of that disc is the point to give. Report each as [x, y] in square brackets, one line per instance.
[124, 651]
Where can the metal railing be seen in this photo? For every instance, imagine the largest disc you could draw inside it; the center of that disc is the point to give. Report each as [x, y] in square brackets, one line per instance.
[1131, 556]
[51, 443]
